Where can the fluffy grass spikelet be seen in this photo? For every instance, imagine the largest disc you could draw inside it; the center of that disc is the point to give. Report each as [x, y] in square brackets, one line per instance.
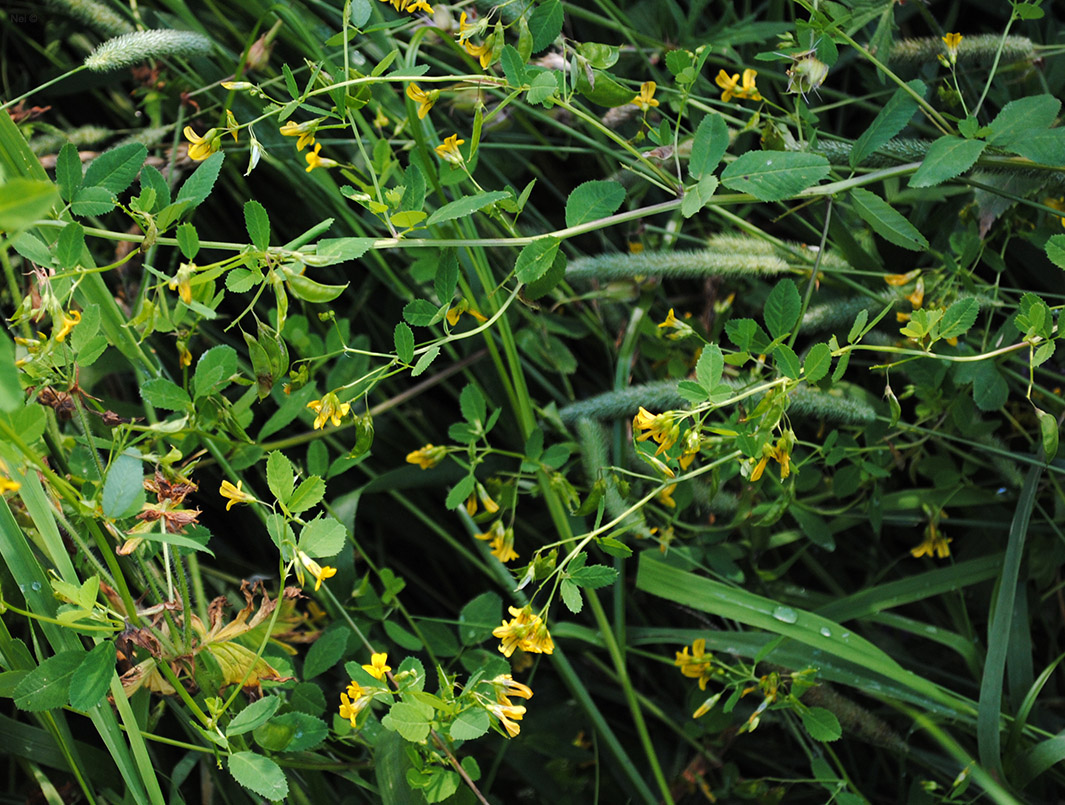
[738, 256]
[96, 15]
[133, 48]
[972, 50]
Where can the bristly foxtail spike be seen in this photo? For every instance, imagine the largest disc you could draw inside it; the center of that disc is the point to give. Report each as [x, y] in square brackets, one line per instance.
[130, 49]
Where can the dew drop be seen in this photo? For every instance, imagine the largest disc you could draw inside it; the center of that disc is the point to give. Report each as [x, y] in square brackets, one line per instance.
[845, 635]
[36, 586]
[826, 632]
[22, 588]
[785, 614]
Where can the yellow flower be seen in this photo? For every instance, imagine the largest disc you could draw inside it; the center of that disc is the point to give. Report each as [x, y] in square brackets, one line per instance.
[69, 322]
[501, 540]
[659, 427]
[463, 306]
[490, 505]
[896, 280]
[315, 161]
[505, 713]
[646, 97]
[672, 322]
[505, 687]
[419, 5]
[378, 666]
[182, 282]
[449, 150]
[935, 542]
[202, 147]
[665, 496]
[425, 100]
[319, 572]
[350, 708]
[329, 408]
[8, 484]
[692, 444]
[234, 494]
[729, 85]
[232, 126]
[952, 41]
[749, 90]
[759, 468]
[305, 132]
[482, 52]
[427, 457]
[698, 665]
[525, 631]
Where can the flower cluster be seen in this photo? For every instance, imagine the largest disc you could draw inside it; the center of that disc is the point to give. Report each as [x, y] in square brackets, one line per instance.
[501, 540]
[780, 452]
[503, 708]
[354, 701]
[410, 6]
[481, 52]
[328, 409]
[659, 427]
[731, 87]
[935, 543]
[526, 630]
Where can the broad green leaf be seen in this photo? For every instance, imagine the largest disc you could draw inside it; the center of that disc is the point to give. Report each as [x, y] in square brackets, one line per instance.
[403, 337]
[125, 481]
[1021, 118]
[787, 361]
[886, 221]
[258, 774]
[594, 576]
[990, 389]
[593, 200]
[571, 596]
[23, 201]
[473, 405]
[447, 276]
[549, 281]
[420, 312]
[425, 360]
[92, 201]
[339, 250]
[479, 617]
[214, 370]
[470, 724]
[817, 363]
[152, 178]
[782, 308]
[116, 169]
[307, 495]
[1048, 429]
[253, 715]
[465, 207]
[188, 240]
[409, 719]
[306, 731]
[709, 145]
[543, 86]
[47, 686]
[513, 66]
[459, 492]
[858, 327]
[280, 476]
[822, 724]
[696, 198]
[68, 172]
[162, 393]
[1046, 147]
[323, 537]
[545, 24]
[958, 318]
[947, 157]
[774, 175]
[325, 652]
[536, 258]
[408, 219]
[198, 186]
[70, 244]
[258, 224]
[92, 678]
[1055, 249]
[888, 122]
[709, 368]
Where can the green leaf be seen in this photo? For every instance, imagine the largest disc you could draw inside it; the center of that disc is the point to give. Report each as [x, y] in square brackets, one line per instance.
[92, 678]
[152, 178]
[470, 724]
[822, 724]
[709, 146]
[709, 368]
[787, 361]
[545, 24]
[214, 370]
[782, 308]
[330, 251]
[306, 731]
[549, 281]
[258, 224]
[602, 89]
[1019, 119]
[513, 66]
[958, 318]
[47, 686]
[91, 201]
[11, 396]
[886, 221]
[473, 405]
[325, 652]
[947, 157]
[774, 175]
[116, 169]
[307, 495]
[188, 240]
[23, 201]
[817, 363]
[70, 244]
[479, 617]
[253, 715]
[280, 475]
[1046, 147]
[459, 492]
[465, 206]
[420, 312]
[858, 326]
[410, 720]
[594, 576]
[990, 390]
[536, 258]
[258, 774]
[68, 173]
[1048, 430]
[543, 86]
[323, 537]
[198, 186]
[593, 200]
[447, 276]
[1055, 249]
[425, 360]
[404, 341]
[890, 120]
[162, 393]
[697, 197]
[571, 596]
[125, 481]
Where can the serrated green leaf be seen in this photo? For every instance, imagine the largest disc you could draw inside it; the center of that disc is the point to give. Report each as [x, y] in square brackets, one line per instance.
[116, 169]
[886, 221]
[593, 200]
[403, 338]
[259, 774]
[787, 361]
[125, 481]
[409, 720]
[890, 120]
[152, 178]
[325, 652]
[425, 360]
[536, 258]
[70, 244]
[258, 224]
[696, 198]
[1055, 249]
[513, 66]
[253, 715]
[47, 686]
[473, 405]
[330, 251]
[92, 201]
[543, 86]
[947, 157]
[68, 171]
[990, 390]
[1046, 147]
[280, 476]
[459, 492]
[420, 312]
[323, 537]
[858, 326]
[1023, 117]
[709, 145]
[774, 175]
[307, 495]
[188, 240]
[710, 366]
[571, 596]
[469, 724]
[822, 724]
[958, 318]
[782, 308]
[162, 393]
[465, 206]
[92, 678]
[594, 576]
[198, 186]
[817, 363]
[545, 24]
[214, 370]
